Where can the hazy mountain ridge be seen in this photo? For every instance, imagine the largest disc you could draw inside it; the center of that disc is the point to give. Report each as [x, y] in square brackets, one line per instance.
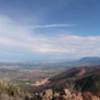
[51, 65]
[90, 60]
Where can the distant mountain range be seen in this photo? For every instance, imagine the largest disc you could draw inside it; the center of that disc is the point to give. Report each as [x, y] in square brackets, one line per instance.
[85, 61]
[52, 65]
[89, 61]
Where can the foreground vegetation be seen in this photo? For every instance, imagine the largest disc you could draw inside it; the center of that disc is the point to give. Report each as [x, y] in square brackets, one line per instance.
[11, 92]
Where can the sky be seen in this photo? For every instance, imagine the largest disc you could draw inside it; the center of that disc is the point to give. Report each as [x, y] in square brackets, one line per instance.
[49, 30]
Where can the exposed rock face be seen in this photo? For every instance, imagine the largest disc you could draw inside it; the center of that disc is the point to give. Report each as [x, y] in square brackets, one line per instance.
[42, 82]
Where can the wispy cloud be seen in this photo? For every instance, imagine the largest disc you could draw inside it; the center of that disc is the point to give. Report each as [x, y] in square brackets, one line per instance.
[53, 26]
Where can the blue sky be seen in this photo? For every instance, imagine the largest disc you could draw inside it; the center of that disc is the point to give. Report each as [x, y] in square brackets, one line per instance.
[51, 30]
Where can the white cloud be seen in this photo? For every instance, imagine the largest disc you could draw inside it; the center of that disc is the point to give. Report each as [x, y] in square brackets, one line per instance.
[21, 37]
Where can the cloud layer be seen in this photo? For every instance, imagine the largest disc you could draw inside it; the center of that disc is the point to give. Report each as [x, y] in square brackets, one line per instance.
[17, 37]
